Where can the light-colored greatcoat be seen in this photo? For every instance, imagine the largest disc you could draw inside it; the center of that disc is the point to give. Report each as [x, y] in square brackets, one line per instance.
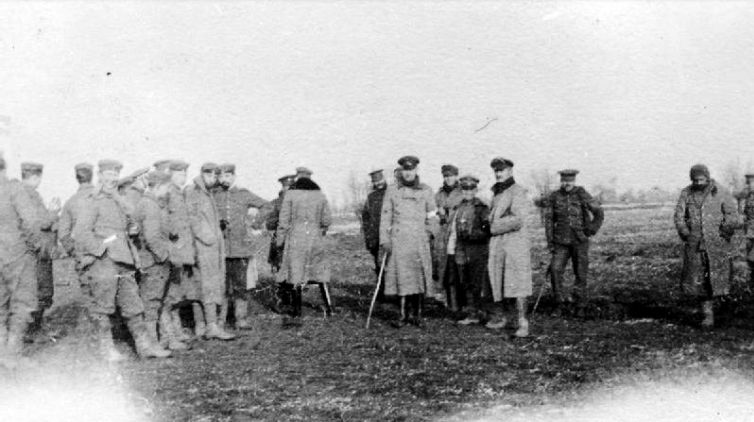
[304, 220]
[510, 246]
[404, 225]
[707, 220]
[208, 240]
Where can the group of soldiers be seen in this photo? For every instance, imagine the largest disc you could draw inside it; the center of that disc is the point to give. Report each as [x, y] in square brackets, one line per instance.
[477, 254]
[149, 244]
[146, 246]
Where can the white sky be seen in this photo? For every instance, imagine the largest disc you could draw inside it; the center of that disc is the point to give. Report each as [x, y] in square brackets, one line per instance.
[636, 90]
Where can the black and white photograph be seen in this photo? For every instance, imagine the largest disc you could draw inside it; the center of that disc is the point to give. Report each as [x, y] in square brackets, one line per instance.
[408, 211]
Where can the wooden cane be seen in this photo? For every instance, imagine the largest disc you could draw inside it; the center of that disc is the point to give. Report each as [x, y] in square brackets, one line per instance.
[377, 290]
[542, 289]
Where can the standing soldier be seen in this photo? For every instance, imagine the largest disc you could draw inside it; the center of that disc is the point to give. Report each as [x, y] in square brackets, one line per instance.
[706, 218]
[304, 220]
[510, 247]
[468, 243]
[152, 217]
[183, 284]
[73, 208]
[31, 177]
[572, 216]
[746, 197]
[275, 256]
[370, 223]
[233, 205]
[447, 199]
[132, 187]
[19, 243]
[406, 211]
[210, 249]
[103, 235]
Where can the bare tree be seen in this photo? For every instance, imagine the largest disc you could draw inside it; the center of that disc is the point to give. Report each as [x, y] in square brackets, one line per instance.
[356, 194]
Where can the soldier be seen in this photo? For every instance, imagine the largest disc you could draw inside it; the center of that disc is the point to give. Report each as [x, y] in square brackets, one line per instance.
[746, 198]
[469, 234]
[447, 199]
[406, 210]
[132, 187]
[304, 220]
[572, 216]
[210, 249]
[706, 218]
[233, 205]
[152, 216]
[103, 235]
[74, 207]
[275, 256]
[183, 284]
[510, 246]
[31, 177]
[19, 243]
[370, 222]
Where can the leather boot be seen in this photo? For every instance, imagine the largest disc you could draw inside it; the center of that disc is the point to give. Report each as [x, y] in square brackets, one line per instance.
[222, 319]
[709, 314]
[213, 329]
[146, 345]
[241, 309]
[523, 327]
[177, 326]
[199, 320]
[105, 339]
[168, 337]
[294, 319]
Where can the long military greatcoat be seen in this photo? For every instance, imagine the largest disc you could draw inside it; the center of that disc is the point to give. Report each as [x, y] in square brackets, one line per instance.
[48, 229]
[72, 209]
[19, 223]
[182, 239]
[208, 241]
[233, 206]
[510, 246]
[404, 225]
[304, 219]
[152, 216]
[370, 219]
[446, 199]
[706, 221]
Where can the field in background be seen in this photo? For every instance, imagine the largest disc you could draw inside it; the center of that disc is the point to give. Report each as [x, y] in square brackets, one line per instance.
[334, 369]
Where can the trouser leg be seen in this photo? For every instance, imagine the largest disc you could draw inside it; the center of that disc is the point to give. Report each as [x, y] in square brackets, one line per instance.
[451, 282]
[580, 259]
[560, 256]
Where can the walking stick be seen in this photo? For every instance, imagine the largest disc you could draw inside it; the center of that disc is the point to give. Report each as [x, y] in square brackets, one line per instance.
[377, 290]
[541, 290]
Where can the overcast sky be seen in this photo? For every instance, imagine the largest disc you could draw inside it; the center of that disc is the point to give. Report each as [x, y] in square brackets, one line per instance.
[636, 90]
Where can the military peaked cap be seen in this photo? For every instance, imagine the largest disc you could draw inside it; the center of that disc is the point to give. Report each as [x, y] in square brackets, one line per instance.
[376, 175]
[408, 162]
[162, 165]
[698, 170]
[227, 168]
[29, 167]
[287, 180]
[449, 170]
[568, 174]
[749, 174]
[108, 164]
[157, 178]
[500, 163]
[138, 173]
[83, 166]
[178, 165]
[303, 171]
[209, 167]
[469, 181]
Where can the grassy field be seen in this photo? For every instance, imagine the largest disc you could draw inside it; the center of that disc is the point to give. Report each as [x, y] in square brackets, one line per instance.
[639, 332]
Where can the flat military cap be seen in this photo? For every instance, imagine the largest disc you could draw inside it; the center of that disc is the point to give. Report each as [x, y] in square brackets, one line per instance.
[162, 165]
[157, 178]
[288, 179]
[449, 170]
[83, 167]
[408, 162]
[138, 173]
[108, 164]
[376, 175]
[227, 168]
[28, 167]
[468, 182]
[698, 170]
[178, 165]
[209, 167]
[500, 163]
[303, 171]
[568, 174]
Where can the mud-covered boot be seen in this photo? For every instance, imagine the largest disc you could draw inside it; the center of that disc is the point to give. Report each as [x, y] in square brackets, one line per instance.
[181, 334]
[105, 339]
[294, 318]
[523, 328]
[213, 329]
[222, 319]
[241, 312]
[168, 337]
[200, 328]
[146, 345]
[709, 314]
